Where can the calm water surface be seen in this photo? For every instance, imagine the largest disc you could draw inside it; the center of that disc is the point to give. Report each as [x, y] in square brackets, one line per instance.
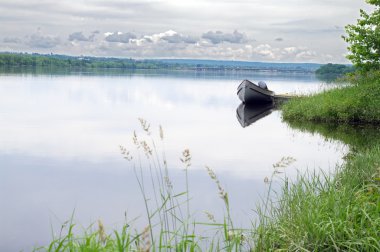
[60, 137]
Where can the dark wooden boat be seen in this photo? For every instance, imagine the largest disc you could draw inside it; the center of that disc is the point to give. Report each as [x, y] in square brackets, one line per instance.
[250, 113]
[249, 92]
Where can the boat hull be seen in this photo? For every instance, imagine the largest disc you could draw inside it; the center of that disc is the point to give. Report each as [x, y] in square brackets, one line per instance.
[248, 92]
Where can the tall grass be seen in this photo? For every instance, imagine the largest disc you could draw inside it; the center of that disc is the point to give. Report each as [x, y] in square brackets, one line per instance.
[339, 213]
[320, 213]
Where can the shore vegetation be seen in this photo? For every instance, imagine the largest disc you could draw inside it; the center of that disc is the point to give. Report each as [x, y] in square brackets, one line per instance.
[355, 102]
[340, 212]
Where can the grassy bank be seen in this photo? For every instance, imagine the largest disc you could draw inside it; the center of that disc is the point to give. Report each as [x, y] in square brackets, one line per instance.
[357, 103]
[340, 213]
[324, 213]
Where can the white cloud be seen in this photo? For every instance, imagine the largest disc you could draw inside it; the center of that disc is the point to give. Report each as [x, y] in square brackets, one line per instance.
[169, 36]
[287, 54]
[265, 51]
[120, 37]
[290, 50]
[157, 37]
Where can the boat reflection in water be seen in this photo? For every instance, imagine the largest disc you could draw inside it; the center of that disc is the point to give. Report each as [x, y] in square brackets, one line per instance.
[250, 113]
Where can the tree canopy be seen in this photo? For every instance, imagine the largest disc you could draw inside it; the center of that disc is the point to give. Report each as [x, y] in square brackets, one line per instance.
[364, 39]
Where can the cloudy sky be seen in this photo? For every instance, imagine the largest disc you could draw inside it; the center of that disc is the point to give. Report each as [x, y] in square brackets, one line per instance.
[251, 30]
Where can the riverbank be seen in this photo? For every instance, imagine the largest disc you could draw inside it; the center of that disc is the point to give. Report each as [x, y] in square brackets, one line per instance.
[331, 213]
[357, 103]
[324, 213]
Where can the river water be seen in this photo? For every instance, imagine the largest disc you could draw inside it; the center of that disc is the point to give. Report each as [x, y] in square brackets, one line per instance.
[60, 136]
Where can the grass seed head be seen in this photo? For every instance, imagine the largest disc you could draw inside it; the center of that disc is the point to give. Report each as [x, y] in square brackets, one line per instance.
[210, 216]
[135, 140]
[161, 133]
[222, 193]
[125, 153]
[102, 233]
[145, 125]
[284, 162]
[145, 244]
[186, 158]
[147, 150]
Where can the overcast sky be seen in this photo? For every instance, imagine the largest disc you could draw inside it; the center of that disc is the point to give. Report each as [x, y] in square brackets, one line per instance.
[251, 30]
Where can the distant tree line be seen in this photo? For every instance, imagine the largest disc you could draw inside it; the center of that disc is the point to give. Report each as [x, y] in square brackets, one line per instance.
[34, 60]
[334, 69]
[61, 61]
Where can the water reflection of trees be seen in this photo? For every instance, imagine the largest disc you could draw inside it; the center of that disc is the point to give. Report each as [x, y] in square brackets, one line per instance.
[357, 137]
[328, 78]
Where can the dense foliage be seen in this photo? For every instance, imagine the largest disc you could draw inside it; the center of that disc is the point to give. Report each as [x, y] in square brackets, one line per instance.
[334, 69]
[364, 39]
